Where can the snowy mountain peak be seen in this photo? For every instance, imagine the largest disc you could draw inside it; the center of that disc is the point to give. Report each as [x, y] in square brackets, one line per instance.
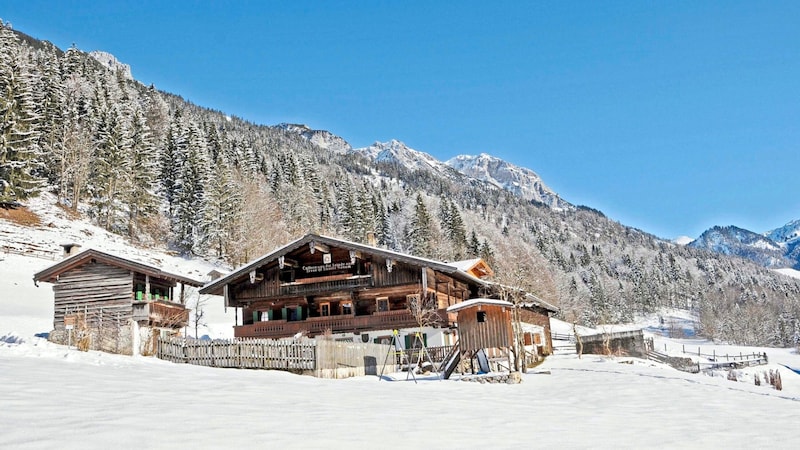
[397, 152]
[321, 138]
[518, 180]
[112, 63]
[787, 234]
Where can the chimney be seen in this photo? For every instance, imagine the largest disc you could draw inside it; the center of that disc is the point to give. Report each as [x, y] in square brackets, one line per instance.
[70, 249]
[371, 239]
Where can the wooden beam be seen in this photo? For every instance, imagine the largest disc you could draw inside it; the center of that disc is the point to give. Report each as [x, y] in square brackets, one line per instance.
[314, 245]
[226, 296]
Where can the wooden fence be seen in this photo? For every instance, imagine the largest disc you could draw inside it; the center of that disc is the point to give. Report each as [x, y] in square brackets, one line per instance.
[708, 361]
[321, 358]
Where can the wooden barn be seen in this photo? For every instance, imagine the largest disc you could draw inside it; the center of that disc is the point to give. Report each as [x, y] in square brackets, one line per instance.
[484, 325]
[322, 285]
[109, 303]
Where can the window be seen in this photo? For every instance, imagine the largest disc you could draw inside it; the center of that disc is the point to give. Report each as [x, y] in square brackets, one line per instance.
[346, 308]
[287, 276]
[382, 304]
[325, 309]
[481, 316]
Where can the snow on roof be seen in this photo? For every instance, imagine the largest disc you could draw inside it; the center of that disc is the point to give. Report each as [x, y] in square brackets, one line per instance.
[464, 265]
[478, 301]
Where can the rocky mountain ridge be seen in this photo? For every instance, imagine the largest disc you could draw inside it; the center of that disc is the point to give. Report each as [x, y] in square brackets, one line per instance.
[778, 248]
[517, 180]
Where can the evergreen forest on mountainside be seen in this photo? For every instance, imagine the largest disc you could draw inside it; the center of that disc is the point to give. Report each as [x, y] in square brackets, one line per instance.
[163, 172]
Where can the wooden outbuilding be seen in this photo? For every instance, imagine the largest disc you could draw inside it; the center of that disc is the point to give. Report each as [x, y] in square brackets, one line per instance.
[109, 303]
[484, 324]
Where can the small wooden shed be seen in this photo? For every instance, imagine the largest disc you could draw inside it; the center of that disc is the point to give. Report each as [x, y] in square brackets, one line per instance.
[483, 324]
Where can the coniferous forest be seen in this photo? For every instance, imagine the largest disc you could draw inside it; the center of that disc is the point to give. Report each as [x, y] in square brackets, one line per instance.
[163, 172]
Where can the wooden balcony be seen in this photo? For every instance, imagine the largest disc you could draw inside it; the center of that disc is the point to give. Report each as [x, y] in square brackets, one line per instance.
[161, 314]
[317, 325]
[325, 284]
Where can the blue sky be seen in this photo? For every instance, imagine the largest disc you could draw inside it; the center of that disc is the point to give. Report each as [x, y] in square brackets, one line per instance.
[671, 117]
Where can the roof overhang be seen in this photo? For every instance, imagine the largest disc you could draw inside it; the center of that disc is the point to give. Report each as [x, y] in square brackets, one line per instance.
[50, 274]
[216, 287]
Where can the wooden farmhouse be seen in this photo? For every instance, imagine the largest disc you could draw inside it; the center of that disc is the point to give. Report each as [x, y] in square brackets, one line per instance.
[322, 285]
[109, 303]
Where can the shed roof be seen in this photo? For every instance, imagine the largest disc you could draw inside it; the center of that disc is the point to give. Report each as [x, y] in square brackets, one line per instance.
[215, 287]
[479, 301]
[50, 274]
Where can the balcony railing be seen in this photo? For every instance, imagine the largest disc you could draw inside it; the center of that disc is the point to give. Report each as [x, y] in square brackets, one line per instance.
[161, 313]
[318, 325]
[300, 288]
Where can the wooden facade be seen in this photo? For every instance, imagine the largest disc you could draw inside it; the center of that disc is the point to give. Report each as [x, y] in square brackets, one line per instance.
[319, 285]
[108, 297]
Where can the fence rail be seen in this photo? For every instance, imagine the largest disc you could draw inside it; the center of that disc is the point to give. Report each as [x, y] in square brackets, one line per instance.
[706, 361]
[562, 337]
[31, 250]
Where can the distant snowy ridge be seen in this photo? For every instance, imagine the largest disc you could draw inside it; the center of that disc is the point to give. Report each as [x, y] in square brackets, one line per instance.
[320, 138]
[397, 152]
[112, 63]
[731, 240]
[787, 234]
[518, 180]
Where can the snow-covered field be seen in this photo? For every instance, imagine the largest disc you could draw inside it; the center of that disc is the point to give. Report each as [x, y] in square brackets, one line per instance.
[52, 396]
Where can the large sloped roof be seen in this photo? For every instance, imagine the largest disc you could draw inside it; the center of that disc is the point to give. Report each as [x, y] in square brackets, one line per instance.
[50, 274]
[215, 287]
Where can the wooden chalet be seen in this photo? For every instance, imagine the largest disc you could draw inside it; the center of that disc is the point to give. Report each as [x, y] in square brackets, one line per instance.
[110, 300]
[318, 284]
